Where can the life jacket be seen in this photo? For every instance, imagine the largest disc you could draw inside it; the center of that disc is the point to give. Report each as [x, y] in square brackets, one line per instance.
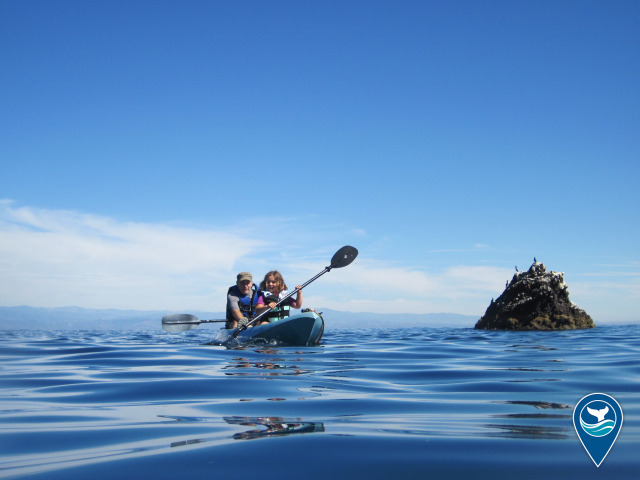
[247, 303]
[281, 311]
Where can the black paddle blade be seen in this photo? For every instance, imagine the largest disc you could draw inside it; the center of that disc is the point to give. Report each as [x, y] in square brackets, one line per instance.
[344, 257]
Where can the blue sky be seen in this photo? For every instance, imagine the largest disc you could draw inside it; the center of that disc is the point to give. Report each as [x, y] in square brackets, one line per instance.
[152, 149]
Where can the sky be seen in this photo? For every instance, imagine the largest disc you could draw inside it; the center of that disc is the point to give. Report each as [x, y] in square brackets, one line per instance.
[151, 150]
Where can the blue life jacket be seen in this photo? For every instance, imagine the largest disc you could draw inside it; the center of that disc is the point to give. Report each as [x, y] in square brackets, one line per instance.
[247, 303]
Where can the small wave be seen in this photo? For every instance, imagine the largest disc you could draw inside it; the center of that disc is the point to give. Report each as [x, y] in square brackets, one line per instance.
[599, 429]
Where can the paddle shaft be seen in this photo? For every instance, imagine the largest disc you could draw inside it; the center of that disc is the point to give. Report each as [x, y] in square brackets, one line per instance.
[190, 322]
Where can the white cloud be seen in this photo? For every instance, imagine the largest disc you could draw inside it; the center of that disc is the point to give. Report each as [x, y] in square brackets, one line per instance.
[606, 299]
[54, 258]
[376, 288]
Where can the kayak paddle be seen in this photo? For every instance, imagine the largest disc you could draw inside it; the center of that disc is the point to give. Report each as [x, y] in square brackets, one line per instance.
[181, 322]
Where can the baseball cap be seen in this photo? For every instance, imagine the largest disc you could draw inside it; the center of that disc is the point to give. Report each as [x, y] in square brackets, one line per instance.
[244, 276]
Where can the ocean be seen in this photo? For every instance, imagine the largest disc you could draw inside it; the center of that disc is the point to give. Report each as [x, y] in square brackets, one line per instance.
[412, 403]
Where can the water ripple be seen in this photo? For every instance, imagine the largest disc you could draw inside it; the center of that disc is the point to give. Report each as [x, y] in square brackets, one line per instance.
[73, 402]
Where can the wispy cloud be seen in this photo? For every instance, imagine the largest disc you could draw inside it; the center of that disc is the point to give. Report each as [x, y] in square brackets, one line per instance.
[54, 258]
[58, 258]
[378, 288]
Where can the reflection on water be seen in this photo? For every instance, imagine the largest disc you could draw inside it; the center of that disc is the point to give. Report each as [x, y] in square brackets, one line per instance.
[270, 427]
[549, 425]
[543, 405]
[241, 366]
[529, 432]
[274, 426]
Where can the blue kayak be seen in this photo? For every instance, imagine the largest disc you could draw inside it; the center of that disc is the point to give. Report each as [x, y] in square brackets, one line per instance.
[300, 330]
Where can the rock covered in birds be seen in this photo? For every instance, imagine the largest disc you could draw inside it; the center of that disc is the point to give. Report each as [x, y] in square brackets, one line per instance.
[535, 300]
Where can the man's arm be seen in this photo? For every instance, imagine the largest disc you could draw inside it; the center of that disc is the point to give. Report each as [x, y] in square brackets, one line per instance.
[232, 302]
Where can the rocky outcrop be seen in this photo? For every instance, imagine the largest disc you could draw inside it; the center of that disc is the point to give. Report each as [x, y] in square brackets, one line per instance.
[535, 300]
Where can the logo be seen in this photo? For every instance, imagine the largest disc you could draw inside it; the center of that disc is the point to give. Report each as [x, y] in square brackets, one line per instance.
[597, 419]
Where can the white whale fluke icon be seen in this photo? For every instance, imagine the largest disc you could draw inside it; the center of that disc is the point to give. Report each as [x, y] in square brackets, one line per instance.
[599, 414]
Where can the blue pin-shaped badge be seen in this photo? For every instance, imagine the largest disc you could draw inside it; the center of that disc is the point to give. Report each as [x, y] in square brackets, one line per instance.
[597, 419]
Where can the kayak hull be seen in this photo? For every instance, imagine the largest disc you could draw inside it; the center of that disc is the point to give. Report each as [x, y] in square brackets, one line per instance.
[302, 329]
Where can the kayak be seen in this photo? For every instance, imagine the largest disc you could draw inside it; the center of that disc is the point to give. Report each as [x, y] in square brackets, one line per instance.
[303, 329]
[300, 330]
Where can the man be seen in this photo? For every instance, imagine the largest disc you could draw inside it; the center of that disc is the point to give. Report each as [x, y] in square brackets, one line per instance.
[242, 300]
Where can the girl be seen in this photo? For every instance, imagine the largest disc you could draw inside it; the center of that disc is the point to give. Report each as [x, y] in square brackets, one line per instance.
[273, 290]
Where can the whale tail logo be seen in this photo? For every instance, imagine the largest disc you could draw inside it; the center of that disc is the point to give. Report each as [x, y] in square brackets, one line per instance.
[597, 419]
[599, 414]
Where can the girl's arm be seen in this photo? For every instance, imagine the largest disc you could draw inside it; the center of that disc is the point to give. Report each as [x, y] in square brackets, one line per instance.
[297, 303]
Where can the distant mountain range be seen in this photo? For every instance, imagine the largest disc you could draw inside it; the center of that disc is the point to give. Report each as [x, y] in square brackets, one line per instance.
[76, 318]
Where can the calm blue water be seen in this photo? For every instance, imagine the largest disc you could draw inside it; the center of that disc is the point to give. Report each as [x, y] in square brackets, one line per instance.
[379, 404]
